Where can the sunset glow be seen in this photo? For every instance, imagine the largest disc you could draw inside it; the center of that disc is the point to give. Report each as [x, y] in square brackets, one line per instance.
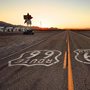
[56, 13]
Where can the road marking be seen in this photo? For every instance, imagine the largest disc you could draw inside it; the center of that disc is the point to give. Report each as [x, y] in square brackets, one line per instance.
[65, 60]
[37, 57]
[82, 56]
[70, 76]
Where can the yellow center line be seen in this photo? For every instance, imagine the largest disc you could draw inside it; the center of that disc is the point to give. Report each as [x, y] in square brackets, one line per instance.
[65, 60]
[70, 76]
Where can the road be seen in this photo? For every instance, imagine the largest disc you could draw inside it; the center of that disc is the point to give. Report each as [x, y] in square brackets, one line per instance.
[47, 60]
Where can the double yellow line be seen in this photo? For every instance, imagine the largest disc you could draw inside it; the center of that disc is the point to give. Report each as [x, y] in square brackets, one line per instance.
[70, 76]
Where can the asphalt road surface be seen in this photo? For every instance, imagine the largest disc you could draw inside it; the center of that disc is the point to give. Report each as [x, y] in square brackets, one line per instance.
[47, 60]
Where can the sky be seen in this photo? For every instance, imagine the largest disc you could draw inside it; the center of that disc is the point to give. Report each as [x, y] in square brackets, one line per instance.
[47, 13]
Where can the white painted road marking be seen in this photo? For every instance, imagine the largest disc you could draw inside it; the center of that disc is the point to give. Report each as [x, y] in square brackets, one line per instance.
[83, 55]
[37, 57]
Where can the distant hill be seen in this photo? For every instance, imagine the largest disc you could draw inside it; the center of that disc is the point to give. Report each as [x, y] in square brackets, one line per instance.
[5, 24]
